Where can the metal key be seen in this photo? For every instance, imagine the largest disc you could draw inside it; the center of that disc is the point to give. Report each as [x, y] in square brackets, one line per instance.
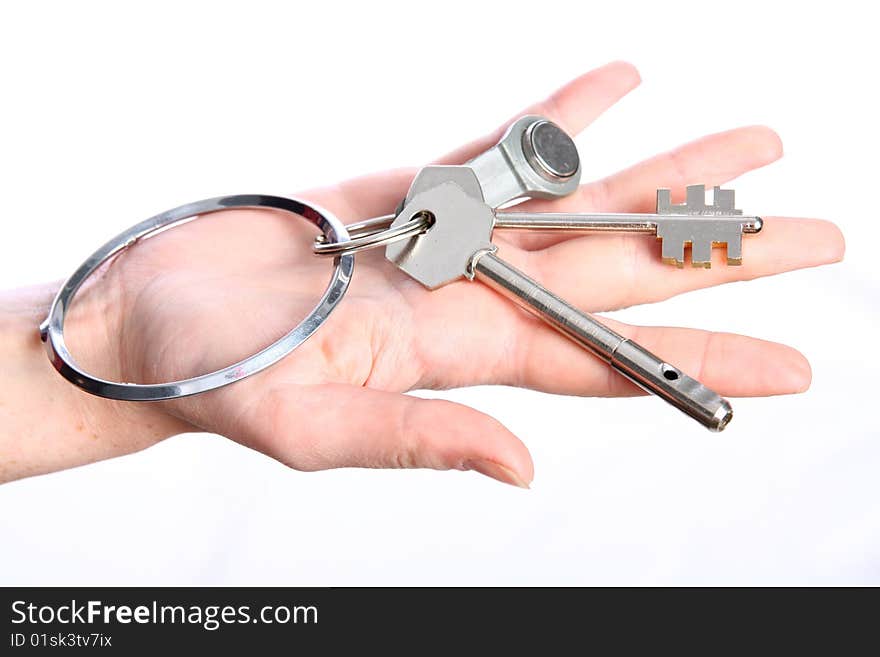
[534, 158]
[537, 159]
[458, 244]
[442, 231]
[691, 223]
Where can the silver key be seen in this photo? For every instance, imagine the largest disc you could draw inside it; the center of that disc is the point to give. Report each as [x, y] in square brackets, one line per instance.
[692, 223]
[535, 158]
[458, 244]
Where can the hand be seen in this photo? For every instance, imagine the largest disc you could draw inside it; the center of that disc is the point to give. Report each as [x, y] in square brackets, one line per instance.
[213, 291]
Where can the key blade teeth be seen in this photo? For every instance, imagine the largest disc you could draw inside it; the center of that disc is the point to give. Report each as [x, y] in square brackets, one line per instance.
[723, 202]
[664, 201]
[701, 233]
[734, 250]
[672, 251]
[701, 254]
[695, 199]
[674, 261]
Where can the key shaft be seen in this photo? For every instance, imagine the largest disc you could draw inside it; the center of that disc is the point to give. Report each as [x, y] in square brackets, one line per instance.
[458, 244]
[636, 363]
[703, 230]
[609, 221]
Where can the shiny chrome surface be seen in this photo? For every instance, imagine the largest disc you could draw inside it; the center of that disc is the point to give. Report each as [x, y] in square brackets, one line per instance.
[691, 223]
[520, 166]
[462, 226]
[458, 245]
[588, 223]
[550, 151]
[52, 329]
[633, 361]
[373, 233]
[603, 221]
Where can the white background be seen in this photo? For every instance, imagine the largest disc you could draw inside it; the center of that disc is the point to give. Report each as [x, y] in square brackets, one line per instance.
[110, 114]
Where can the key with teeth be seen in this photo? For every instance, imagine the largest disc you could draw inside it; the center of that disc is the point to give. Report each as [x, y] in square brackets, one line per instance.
[692, 223]
[442, 232]
[458, 244]
[537, 159]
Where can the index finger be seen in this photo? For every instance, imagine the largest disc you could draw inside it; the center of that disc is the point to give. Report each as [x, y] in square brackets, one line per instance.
[573, 107]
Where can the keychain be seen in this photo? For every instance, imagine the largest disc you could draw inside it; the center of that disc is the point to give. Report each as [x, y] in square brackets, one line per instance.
[442, 232]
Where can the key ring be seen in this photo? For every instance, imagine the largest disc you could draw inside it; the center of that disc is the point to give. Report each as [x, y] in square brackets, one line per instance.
[52, 329]
[371, 233]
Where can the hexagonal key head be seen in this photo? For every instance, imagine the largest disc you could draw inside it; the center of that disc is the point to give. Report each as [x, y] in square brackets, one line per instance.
[462, 226]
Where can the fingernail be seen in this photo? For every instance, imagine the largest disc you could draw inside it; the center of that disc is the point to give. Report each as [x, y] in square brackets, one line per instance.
[800, 374]
[496, 471]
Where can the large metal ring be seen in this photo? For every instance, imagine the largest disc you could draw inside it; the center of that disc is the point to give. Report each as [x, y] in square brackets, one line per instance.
[373, 233]
[52, 329]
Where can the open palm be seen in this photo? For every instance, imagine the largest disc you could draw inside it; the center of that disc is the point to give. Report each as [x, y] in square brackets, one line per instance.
[214, 290]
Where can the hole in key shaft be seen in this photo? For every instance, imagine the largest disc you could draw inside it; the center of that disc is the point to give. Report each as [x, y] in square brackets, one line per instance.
[669, 372]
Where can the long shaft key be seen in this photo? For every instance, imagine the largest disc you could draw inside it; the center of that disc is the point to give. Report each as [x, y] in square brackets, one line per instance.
[458, 245]
[691, 223]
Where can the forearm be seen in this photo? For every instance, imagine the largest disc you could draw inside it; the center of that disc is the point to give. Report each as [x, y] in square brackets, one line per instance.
[46, 423]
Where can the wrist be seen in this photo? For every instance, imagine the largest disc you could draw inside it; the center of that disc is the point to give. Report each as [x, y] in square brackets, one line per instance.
[47, 423]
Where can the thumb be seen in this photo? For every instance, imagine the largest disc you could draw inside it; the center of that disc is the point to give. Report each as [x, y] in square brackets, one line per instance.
[316, 427]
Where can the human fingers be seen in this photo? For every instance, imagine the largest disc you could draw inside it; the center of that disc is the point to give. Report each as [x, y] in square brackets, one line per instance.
[710, 160]
[634, 273]
[316, 427]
